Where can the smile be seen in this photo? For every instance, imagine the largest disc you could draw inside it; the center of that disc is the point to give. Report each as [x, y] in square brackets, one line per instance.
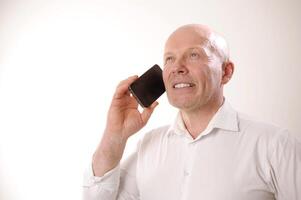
[182, 85]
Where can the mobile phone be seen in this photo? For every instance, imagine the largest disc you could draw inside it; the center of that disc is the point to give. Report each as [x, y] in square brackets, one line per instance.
[148, 87]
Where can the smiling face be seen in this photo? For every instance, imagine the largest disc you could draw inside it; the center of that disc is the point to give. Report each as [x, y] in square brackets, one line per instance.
[192, 70]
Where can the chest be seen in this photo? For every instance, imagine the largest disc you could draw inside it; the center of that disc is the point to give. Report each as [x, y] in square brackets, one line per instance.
[207, 170]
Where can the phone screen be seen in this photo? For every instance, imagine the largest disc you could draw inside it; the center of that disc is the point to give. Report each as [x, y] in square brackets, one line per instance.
[148, 87]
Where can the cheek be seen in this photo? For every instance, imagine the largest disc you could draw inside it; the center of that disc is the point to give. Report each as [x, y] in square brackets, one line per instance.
[216, 77]
[216, 69]
[207, 77]
[165, 77]
[165, 74]
[202, 73]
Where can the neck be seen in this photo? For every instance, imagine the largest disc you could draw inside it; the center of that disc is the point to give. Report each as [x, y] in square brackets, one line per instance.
[197, 120]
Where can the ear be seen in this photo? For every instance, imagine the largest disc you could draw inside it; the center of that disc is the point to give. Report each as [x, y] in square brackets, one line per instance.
[228, 69]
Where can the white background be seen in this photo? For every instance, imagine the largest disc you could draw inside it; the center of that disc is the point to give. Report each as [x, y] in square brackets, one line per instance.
[61, 60]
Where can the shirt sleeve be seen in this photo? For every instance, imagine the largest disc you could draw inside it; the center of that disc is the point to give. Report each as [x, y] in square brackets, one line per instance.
[117, 184]
[286, 168]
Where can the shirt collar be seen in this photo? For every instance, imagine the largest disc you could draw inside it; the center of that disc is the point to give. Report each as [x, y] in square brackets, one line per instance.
[225, 118]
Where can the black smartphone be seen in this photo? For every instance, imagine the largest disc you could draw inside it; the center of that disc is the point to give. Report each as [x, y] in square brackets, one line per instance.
[148, 87]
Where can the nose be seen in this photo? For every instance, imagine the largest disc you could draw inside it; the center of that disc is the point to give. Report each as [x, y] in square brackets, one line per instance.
[180, 66]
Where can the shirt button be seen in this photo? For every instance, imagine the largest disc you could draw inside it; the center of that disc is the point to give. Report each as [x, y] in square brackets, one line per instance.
[186, 173]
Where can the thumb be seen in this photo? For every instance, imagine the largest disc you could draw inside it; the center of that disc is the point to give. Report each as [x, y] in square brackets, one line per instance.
[147, 112]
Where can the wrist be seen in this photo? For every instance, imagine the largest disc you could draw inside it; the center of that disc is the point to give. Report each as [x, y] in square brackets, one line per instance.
[107, 155]
[114, 137]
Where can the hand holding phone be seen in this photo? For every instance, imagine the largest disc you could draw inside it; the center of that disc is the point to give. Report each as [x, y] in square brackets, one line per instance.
[148, 87]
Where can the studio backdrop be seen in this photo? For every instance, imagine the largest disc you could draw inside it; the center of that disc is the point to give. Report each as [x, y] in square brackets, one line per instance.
[61, 60]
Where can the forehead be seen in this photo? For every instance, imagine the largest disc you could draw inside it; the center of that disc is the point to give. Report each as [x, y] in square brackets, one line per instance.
[186, 38]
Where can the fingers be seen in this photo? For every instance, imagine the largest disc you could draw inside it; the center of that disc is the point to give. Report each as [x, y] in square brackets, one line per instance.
[122, 88]
[147, 112]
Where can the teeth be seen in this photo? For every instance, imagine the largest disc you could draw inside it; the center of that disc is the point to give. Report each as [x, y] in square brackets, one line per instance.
[182, 85]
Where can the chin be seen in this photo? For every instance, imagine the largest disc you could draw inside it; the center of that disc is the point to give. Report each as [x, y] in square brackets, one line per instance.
[188, 104]
[181, 104]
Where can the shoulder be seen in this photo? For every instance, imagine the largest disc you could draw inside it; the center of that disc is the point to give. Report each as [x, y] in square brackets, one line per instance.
[153, 138]
[156, 134]
[250, 125]
[264, 134]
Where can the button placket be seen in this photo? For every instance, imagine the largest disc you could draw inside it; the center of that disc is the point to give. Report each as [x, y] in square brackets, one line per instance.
[187, 166]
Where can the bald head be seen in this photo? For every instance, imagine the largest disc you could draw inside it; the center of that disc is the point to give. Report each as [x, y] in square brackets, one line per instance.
[202, 34]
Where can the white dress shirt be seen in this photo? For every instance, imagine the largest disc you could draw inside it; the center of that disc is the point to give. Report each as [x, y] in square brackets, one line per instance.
[234, 158]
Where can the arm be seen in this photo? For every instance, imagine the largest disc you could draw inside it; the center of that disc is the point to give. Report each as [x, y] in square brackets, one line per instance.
[286, 168]
[123, 120]
[119, 183]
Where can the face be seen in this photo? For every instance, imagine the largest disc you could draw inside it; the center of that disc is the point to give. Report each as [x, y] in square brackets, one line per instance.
[192, 72]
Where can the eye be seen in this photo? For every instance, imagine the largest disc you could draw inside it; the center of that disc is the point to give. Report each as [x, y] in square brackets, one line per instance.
[194, 55]
[168, 59]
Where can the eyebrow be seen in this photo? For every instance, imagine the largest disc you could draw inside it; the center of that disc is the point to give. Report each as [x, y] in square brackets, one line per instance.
[191, 48]
[167, 53]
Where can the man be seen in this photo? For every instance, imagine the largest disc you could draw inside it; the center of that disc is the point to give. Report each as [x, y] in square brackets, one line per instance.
[211, 152]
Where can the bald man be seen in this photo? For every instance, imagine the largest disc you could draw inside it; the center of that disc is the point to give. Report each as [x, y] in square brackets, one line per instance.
[210, 152]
